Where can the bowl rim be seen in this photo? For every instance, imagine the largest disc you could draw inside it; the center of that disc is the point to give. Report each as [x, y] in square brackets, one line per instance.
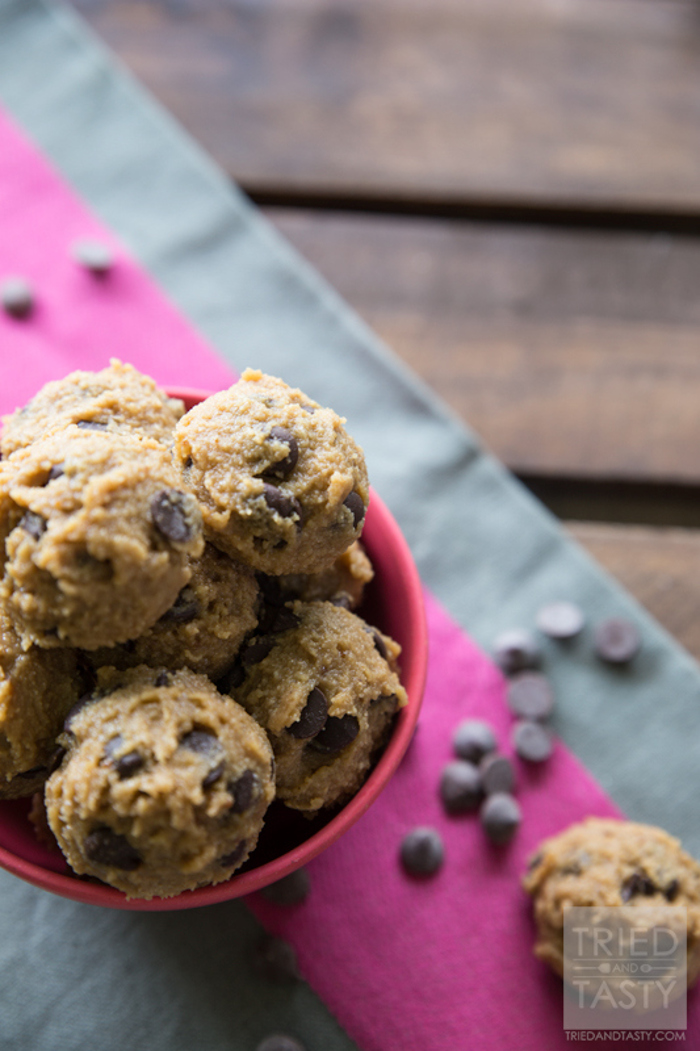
[256, 878]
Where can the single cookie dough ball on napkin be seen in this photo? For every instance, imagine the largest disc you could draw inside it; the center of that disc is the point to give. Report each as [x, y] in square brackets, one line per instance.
[326, 695]
[281, 484]
[604, 862]
[116, 399]
[204, 628]
[37, 689]
[98, 535]
[164, 784]
[343, 583]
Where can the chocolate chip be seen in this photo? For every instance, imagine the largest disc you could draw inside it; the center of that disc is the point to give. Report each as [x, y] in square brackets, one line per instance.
[57, 471]
[473, 739]
[616, 640]
[338, 732]
[106, 847]
[213, 776]
[232, 858]
[500, 817]
[91, 425]
[285, 506]
[379, 644]
[560, 620]
[284, 619]
[342, 600]
[460, 787]
[184, 609]
[202, 742]
[126, 765]
[93, 256]
[256, 650]
[87, 698]
[356, 506]
[530, 695]
[671, 891]
[422, 852]
[637, 885]
[17, 297]
[532, 741]
[534, 861]
[275, 960]
[497, 773]
[33, 524]
[279, 1042]
[243, 791]
[290, 890]
[283, 468]
[172, 514]
[516, 650]
[162, 679]
[312, 718]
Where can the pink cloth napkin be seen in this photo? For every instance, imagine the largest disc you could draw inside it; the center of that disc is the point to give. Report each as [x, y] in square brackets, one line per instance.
[405, 965]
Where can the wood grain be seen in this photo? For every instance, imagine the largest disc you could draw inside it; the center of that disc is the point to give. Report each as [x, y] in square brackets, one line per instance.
[661, 568]
[572, 353]
[584, 104]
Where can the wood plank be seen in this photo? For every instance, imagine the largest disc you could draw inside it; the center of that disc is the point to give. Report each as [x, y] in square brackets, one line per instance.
[584, 104]
[660, 567]
[572, 353]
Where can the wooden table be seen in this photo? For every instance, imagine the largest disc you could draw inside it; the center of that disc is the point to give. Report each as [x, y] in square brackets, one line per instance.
[509, 192]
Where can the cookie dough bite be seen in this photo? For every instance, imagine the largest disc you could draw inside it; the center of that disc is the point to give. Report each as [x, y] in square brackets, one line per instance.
[99, 540]
[164, 784]
[281, 483]
[37, 689]
[204, 628]
[326, 696]
[117, 399]
[343, 583]
[604, 862]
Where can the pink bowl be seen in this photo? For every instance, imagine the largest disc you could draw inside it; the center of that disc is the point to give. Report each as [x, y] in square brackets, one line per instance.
[394, 603]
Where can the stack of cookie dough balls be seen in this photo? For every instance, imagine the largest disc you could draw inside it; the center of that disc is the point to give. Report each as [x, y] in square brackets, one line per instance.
[177, 638]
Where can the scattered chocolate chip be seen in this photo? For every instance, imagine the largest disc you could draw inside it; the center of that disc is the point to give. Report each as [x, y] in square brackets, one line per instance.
[202, 742]
[312, 718]
[338, 732]
[129, 764]
[422, 852]
[275, 960]
[33, 524]
[516, 650]
[17, 297]
[534, 861]
[532, 741]
[87, 698]
[283, 468]
[290, 890]
[234, 856]
[356, 506]
[188, 463]
[106, 847]
[57, 471]
[473, 739]
[460, 787]
[671, 891]
[256, 650]
[213, 776]
[560, 620]
[243, 791]
[637, 885]
[279, 1042]
[616, 640]
[500, 817]
[497, 773]
[284, 505]
[91, 425]
[184, 609]
[284, 619]
[162, 679]
[93, 256]
[379, 644]
[530, 695]
[173, 515]
[342, 600]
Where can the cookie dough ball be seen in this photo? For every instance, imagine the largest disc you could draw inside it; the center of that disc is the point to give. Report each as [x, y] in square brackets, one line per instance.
[326, 696]
[99, 537]
[164, 785]
[204, 628]
[117, 399]
[343, 583]
[604, 862]
[281, 484]
[37, 689]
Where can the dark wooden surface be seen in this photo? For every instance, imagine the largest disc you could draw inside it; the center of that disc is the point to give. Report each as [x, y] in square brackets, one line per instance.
[509, 192]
